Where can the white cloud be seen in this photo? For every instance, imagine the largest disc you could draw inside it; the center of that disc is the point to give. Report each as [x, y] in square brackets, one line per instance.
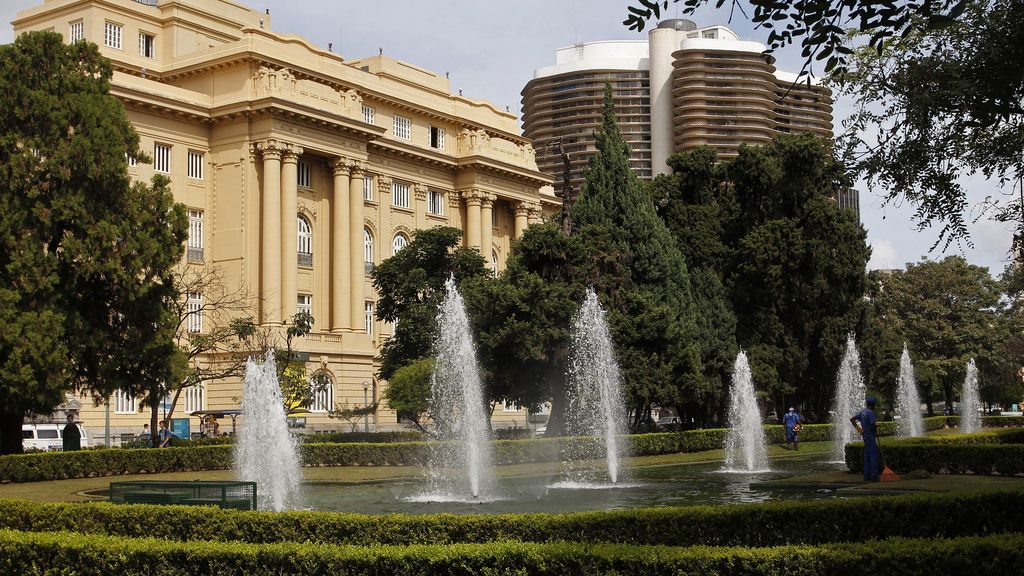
[884, 255]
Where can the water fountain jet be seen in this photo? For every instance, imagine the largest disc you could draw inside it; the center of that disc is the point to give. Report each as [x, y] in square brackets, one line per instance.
[970, 402]
[746, 448]
[848, 401]
[265, 451]
[908, 402]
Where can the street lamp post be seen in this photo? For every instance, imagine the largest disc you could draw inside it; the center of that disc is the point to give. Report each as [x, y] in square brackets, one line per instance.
[366, 417]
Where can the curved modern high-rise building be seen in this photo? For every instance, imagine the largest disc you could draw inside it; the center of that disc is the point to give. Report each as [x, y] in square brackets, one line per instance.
[683, 87]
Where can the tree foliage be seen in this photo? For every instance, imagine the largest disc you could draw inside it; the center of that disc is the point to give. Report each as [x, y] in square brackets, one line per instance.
[790, 263]
[87, 256]
[933, 108]
[820, 26]
[947, 312]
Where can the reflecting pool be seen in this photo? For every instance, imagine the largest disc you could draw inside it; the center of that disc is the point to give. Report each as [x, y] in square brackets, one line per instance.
[677, 485]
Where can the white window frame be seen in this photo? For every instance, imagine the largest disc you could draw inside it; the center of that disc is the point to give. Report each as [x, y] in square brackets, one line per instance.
[162, 158]
[368, 318]
[304, 241]
[124, 403]
[400, 194]
[147, 45]
[194, 307]
[303, 174]
[509, 406]
[402, 128]
[367, 247]
[131, 160]
[113, 34]
[494, 263]
[195, 228]
[304, 303]
[400, 241]
[368, 187]
[76, 31]
[194, 397]
[196, 161]
[323, 400]
[435, 202]
[369, 114]
[435, 137]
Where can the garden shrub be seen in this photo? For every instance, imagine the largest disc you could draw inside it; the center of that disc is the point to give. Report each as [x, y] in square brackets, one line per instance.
[770, 524]
[944, 457]
[87, 555]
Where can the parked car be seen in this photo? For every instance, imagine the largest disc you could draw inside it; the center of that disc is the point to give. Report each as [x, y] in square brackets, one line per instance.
[47, 436]
[670, 423]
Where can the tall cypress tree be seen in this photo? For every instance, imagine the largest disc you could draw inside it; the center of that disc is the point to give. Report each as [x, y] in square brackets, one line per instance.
[634, 265]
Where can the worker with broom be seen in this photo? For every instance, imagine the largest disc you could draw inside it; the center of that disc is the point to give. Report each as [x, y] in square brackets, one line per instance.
[866, 422]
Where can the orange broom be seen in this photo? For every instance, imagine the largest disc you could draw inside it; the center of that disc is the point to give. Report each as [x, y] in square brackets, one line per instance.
[887, 474]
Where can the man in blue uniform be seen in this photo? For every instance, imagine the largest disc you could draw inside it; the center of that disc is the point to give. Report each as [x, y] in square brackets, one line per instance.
[792, 423]
[866, 424]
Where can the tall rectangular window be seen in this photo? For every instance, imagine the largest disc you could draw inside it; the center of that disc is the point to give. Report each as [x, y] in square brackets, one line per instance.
[162, 158]
[304, 174]
[112, 35]
[195, 236]
[403, 128]
[368, 114]
[436, 138]
[368, 187]
[435, 203]
[76, 32]
[124, 403]
[305, 304]
[194, 308]
[368, 318]
[131, 159]
[195, 164]
[193, 398]
[400, 194]
[147, 45]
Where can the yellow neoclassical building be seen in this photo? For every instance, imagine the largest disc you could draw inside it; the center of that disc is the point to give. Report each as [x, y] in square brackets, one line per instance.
[300, 170]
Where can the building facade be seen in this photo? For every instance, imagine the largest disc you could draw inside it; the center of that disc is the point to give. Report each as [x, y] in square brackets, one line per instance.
[300, 171]
[682, 87]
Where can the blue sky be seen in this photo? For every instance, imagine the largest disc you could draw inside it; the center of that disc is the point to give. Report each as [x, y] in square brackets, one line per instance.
[490, 50]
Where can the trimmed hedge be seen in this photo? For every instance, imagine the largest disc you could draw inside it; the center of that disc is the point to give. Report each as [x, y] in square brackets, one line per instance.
[86, 555]
[371, 437]
[104, 462]
[944, 457]
[769, 524]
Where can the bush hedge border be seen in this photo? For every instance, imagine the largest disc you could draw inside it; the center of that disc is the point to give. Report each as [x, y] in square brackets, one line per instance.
[87, 463]
[768, 524]
[86, 555]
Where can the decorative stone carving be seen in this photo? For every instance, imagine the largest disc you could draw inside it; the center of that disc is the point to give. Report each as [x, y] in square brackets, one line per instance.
[529, 153]
[291, 152]
[351, 103]
[473, 141]
[473, 197]
[522, 209]
[383, 184]
[454, 200]
[356, 167]
[270, 148]
[420, 191]
[270, 82]
[304, 209]
[339, 166]
[487, 200]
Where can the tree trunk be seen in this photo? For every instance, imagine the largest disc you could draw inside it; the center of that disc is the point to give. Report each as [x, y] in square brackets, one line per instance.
[11, 420]
[154, 428]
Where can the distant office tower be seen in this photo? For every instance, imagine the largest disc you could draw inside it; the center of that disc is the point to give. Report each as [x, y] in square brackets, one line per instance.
[682, 87]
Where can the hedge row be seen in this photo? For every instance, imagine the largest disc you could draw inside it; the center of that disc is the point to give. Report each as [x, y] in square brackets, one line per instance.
[769, 524]
[60, 465]
[86, 555]
[944, 457]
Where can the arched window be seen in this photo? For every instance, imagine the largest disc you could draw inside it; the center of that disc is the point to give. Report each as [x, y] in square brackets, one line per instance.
[323, 398]
[305, 241]
[398, 243]
[368, 249]
[494, 264]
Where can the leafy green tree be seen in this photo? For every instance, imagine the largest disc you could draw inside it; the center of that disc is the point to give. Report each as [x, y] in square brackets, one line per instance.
[86, 256]
[947, 312]
[634, 265]
[408, 391]
[933, 108]
[820, 26]
[790, 262]
[410, 285]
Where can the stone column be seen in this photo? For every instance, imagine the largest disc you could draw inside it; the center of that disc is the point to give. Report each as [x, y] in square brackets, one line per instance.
[473, 199]
[357, 270]
[270, 233]
[487, 227]
[533, 214]
[522, 213]
[341, 236]
[289, 230]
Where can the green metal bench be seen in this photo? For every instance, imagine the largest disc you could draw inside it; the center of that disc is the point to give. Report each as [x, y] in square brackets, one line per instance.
[223, 494]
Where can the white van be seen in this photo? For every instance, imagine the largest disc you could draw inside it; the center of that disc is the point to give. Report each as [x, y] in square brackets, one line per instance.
[47, 436]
